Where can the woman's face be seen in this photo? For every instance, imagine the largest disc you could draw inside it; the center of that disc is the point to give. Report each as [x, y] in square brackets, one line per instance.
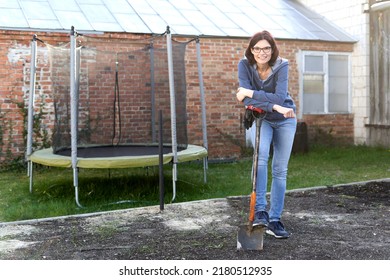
[262, 52]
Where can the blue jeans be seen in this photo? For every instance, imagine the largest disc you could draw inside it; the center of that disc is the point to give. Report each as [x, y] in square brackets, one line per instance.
[281, 134]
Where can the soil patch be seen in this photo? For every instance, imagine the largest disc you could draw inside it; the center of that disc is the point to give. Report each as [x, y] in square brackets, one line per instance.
[341, 222]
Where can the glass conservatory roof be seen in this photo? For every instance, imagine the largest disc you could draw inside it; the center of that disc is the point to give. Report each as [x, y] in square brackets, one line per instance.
[285, 19]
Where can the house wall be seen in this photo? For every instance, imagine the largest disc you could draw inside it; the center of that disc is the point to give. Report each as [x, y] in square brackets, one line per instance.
[349, 15]
[226, 135]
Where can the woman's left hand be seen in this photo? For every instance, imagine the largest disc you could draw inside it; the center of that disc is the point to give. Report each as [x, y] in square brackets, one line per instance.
[286, 112]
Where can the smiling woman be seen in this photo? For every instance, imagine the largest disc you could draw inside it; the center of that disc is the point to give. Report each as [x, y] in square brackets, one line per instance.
[263, 80]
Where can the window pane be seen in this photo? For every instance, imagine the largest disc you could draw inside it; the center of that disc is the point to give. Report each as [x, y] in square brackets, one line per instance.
[313, 94]
[314, 63]
[338, 83]
[338, 103]
[338, 65]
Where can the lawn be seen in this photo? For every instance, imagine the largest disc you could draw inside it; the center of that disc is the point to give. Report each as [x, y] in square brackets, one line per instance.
[104, 190]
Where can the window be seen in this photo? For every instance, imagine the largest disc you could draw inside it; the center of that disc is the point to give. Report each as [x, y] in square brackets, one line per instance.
[325, 83]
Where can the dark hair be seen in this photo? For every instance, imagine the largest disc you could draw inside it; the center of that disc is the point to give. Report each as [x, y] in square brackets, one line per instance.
[263, 35]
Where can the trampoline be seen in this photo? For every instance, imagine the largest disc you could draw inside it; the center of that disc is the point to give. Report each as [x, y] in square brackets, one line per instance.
[116, 156]
[105, 103]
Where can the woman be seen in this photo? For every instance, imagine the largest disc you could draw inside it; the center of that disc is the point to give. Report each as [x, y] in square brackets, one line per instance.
[263, 83]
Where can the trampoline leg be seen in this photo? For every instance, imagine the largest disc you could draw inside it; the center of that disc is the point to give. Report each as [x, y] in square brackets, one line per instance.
[76, 192]
[76, 187]
[30, 174]
[205, 170]
[174, 179]
[174, 191]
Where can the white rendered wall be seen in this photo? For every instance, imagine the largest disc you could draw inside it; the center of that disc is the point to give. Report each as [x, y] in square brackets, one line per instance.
[349, 16]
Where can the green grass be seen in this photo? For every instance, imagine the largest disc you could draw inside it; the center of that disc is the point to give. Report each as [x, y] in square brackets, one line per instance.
[101, 189]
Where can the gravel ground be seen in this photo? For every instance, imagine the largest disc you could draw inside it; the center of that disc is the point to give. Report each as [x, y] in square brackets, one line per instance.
[344, 222]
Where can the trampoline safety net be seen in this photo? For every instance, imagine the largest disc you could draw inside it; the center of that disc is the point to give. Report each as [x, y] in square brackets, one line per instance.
[120, 87]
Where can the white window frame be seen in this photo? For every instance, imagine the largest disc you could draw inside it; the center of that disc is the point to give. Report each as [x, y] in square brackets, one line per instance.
[325, 73]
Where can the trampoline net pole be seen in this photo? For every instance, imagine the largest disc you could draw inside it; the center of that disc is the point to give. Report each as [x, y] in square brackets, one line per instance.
[203, 107]
[153, 93]
[30, 122]
[173, 110]
[202, 95]
[74, 111]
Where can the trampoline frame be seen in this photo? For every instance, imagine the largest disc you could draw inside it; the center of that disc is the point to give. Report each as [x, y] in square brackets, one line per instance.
[46, 157]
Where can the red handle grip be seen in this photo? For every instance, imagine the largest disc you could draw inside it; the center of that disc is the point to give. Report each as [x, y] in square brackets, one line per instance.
[258, 110]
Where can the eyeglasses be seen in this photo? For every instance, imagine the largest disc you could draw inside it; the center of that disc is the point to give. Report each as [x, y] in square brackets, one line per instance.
[266, 50]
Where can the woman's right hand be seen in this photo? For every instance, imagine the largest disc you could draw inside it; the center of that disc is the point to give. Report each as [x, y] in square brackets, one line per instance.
[242, 93]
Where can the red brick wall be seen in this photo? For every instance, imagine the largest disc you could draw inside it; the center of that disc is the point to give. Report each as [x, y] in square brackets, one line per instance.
[11, 92]
[220, 56]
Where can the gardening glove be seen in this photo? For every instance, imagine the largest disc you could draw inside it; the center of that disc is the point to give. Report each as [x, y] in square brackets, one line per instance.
[248, 118]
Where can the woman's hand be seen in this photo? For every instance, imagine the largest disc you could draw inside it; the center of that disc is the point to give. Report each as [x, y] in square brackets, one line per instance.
[286, 112]
[243, 92]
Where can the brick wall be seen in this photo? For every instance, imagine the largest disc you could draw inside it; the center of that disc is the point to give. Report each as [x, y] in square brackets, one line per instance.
[12, 60]
[226, 135]
[350, 17]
